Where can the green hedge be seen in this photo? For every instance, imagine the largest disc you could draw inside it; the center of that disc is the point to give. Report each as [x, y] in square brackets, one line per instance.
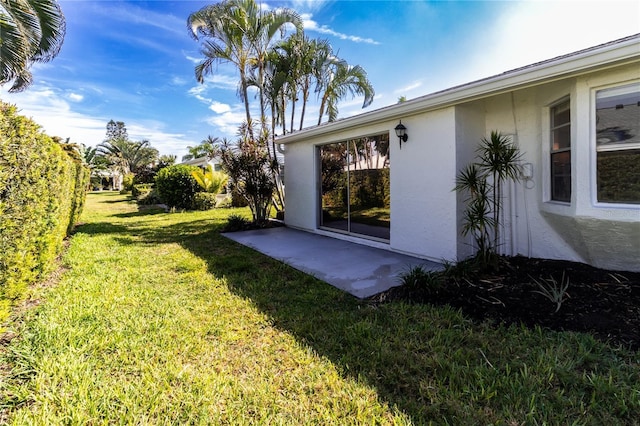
[42, 192]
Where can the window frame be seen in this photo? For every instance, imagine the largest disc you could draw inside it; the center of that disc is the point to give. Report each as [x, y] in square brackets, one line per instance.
[594, 147]
[552, 152]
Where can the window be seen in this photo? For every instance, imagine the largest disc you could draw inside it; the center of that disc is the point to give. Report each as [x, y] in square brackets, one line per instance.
[618, 144]
[561, 152]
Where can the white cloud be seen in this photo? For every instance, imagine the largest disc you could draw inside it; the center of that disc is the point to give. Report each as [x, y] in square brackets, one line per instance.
[191, 58]
[308, 5]
[126, 12]
[75, 97]
[179, 81]
[311, 25]
[228, 122]
[409, 88]
[219, 107]
[47, 107]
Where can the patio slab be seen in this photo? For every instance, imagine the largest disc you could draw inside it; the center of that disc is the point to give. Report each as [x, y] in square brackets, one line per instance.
[357, 269]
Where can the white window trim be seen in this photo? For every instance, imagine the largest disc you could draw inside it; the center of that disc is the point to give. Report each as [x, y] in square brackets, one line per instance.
[593, 153]
[546, 150]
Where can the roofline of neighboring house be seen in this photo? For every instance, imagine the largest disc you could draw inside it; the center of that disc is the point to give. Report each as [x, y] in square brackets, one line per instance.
[197, 161]
[614, 53]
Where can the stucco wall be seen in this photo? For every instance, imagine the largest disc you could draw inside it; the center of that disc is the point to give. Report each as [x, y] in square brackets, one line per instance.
[300, 186]
[470, 127]
[604, 235]
[422, 177]
[426, 215]
[423, 205]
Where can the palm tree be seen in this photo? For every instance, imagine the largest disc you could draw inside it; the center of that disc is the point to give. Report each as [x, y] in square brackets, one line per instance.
[262, 28]
[239, 32]
[337, 81]
[128, 156]
[297, 57]
[208, 149]
[30, 31]
[223, 43]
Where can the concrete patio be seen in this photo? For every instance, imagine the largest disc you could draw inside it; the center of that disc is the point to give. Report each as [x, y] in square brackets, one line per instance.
[357, 269]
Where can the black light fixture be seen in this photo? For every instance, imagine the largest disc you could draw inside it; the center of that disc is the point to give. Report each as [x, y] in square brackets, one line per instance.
[401, 133]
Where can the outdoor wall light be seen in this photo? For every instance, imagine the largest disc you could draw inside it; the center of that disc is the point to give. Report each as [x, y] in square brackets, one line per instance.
[401, 133]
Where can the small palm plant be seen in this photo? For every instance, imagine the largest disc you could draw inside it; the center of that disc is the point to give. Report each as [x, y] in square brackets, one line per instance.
[483, 180]
[210, 180]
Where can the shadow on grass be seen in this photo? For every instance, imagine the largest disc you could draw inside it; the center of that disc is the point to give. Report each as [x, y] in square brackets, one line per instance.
[431, 364]
[95, 228]
[142, 212]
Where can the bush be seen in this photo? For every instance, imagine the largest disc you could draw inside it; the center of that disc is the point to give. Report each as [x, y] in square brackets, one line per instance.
[204, 201]
[235, 222]
[149, 198]
[251, 173]
[224, 203]
[42, 192]
[418, 278]
[141, 189]
[176, 186]
[127, 182]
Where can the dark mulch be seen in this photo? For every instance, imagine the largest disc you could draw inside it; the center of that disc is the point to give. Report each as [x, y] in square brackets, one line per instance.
[603, 303]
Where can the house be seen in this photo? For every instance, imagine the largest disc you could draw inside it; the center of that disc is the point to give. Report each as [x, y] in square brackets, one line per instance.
[204, 162]
[576, 119]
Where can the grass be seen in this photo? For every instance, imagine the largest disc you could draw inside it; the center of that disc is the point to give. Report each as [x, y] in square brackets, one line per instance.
[158, 319]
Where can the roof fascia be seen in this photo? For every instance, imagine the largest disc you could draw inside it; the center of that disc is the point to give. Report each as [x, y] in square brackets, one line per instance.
[545, 72]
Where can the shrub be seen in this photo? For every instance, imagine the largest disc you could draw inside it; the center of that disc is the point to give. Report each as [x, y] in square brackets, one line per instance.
[419, 278]
[224, 203]
[149, 198]
[204, 201]
[251, 173]
[42, 190]
[127, 182]
[210, 180]
[141, 189]
[235, 222]
[176, 186]
[482, 183]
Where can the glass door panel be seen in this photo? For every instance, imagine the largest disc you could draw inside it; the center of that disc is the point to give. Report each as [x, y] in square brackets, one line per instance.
[369, 186]
[354, 182]
[334, 177]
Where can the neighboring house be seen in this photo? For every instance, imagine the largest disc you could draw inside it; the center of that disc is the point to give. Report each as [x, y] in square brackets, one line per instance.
[203, 162]
[576, 118]
[112, 177]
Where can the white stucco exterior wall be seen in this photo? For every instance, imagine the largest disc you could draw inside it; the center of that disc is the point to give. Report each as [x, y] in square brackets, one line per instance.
[301, 188]
[423, 205]
[426, 215]
[422, 176]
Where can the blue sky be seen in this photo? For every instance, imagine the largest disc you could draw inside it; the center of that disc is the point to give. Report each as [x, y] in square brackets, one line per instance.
[133, 61]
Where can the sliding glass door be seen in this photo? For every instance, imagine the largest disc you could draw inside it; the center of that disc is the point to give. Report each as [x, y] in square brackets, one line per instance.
[354, 186]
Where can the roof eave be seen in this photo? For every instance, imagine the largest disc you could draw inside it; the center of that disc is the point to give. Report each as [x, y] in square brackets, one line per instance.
[612, 54]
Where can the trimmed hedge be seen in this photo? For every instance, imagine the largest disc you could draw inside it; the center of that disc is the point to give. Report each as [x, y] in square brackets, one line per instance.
[42, 192]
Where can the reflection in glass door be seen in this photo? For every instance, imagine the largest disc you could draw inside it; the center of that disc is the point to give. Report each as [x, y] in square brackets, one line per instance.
[354, 181]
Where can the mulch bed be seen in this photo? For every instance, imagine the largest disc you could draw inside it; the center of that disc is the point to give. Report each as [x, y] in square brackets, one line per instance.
[603, 303]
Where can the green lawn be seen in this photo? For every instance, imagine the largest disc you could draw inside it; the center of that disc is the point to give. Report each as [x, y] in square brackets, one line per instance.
[157, 319]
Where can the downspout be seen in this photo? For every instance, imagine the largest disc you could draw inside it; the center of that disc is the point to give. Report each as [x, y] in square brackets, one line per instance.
[280, 148]
[512, 186]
